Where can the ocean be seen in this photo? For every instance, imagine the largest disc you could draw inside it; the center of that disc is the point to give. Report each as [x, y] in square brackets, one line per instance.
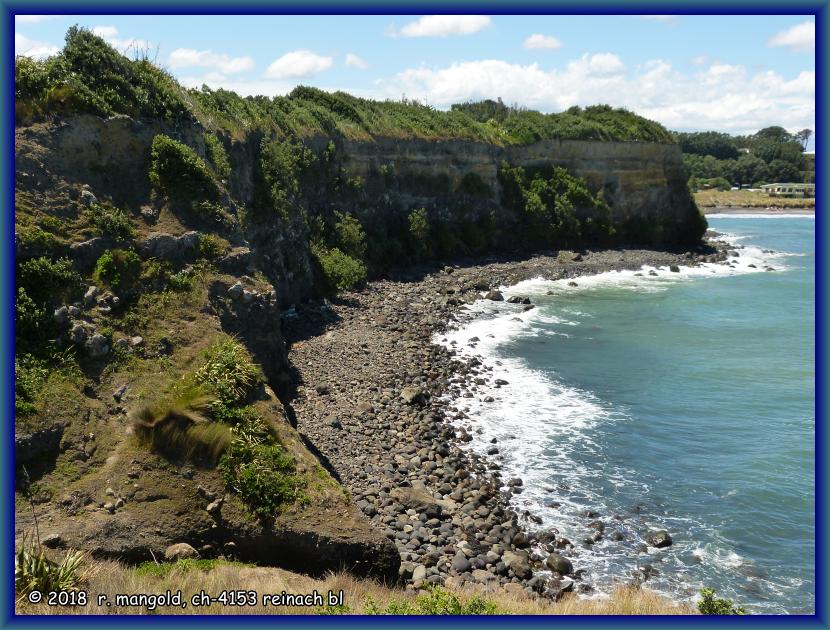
[681, 401]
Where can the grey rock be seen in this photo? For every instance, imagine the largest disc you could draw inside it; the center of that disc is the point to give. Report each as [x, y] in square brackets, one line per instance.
[559, 564]
[61, 317]
[236, 291]
[97, 346]
[237, 261]
[78, 334]
[118, 394]
[460, 564]
[519, 563]
[180, 551]
[90, 296]
[214, 508]
[88, 198]
[660, 539]
[494, 296]
[413, 395]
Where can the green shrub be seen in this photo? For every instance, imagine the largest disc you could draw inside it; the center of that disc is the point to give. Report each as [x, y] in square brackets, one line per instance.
[48, 282]
[351, 239]
[112, 222]
[52, 224]
[89, 75]
[546, 201]
[282, 162]
[119, 269]
[209, 211]
[227, 369]
[155, 274]
[259, 470]
[178, 172]
[33, 237]
[710, 605]
[419, 230]
[30, 318]
[215, 152]
[30, 374]
[435, 601]
[231, 414]
[33, 571]
[340, 271]
[212, 247]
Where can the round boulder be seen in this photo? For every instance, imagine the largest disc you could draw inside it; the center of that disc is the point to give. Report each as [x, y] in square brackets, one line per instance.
[559, 564]
[180, 551]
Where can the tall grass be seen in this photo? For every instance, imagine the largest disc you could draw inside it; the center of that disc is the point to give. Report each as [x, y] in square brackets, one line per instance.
[177, 427]
[361, 596]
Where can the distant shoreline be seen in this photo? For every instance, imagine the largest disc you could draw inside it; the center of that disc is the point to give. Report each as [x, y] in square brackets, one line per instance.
[751, 210]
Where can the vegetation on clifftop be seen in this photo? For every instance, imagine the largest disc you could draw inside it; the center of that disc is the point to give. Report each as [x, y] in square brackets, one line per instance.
[89, 76]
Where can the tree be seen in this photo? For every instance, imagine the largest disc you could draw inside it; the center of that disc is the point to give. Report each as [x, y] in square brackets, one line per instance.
[719, 145]
[749, 169]
[775, 134]
[804, 136]
[782, 171]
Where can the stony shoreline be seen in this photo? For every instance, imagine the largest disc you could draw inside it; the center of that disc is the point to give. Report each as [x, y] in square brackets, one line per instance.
[370, 397]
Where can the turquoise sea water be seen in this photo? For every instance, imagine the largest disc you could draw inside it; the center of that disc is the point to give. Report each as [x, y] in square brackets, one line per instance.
[682, 402]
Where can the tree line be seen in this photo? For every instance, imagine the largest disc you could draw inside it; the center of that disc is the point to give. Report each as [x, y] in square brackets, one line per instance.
[719, 160]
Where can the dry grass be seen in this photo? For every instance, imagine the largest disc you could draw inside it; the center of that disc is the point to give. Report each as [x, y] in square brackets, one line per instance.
[110, 578]
[746, 199]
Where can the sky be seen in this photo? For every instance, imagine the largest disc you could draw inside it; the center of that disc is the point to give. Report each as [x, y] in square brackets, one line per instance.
[734, 74]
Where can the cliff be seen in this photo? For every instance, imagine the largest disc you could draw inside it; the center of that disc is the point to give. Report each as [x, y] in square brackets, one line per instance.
[642, 183]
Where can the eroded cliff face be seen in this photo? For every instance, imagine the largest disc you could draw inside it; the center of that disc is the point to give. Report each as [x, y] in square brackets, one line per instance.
[644, 184]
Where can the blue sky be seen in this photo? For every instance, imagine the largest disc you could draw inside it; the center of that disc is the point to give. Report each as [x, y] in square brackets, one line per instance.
[729, 73]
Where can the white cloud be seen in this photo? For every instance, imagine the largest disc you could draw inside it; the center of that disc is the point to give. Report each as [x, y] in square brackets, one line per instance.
[130, 45]
[296, 64]
[720, 96]
[188, 57]
[31, 48]
[353, 61]
[34, 19]
[600, 64]
[443, 26]
[542, 42]
[107, 32]
[699, 60]
[800, 38]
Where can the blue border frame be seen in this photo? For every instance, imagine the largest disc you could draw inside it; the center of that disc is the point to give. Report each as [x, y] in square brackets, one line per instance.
[819, 9]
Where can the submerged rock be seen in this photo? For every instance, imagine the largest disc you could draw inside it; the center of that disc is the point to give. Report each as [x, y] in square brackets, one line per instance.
[660, 539]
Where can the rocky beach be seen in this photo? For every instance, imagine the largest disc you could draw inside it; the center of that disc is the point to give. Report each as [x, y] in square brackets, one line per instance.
[377, 398]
